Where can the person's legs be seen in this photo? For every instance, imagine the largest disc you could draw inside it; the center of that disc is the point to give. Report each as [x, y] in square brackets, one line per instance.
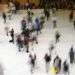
[32, 68]
[19, 47]
[27, 48]
[37, 31]
[4, 20]
[13, 39]
[47, 66]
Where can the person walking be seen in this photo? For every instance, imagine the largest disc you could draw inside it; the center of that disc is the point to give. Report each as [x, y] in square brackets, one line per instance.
[12, 35]
[47, 61]
[4, 17]
[32, 62]
[66, 67]
[71, 55]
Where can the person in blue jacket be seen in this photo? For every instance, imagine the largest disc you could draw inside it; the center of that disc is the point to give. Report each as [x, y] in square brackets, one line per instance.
[37, 25]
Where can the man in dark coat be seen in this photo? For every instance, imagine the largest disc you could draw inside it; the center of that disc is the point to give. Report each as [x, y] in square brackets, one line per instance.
[71, 54]
[12, 35]
[4, 17]
[57, 36]
[47, 60]
[66, 67]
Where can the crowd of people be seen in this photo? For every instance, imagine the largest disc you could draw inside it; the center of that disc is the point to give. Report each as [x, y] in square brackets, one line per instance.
[27, 35]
